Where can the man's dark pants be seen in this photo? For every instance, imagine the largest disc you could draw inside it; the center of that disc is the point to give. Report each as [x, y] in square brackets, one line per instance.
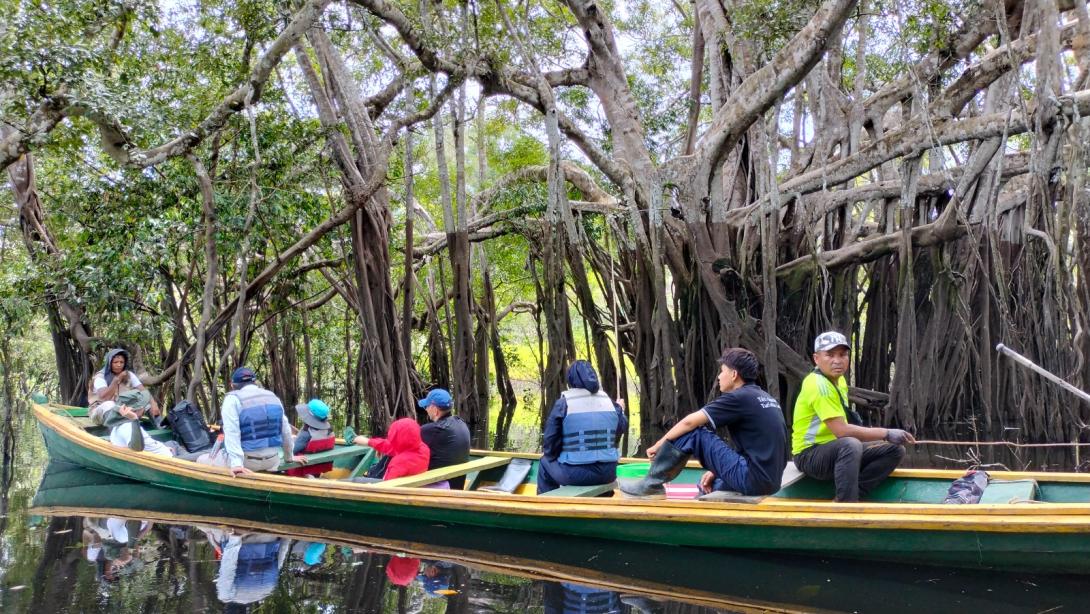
[552, 474]
[856, 468]
[730, 468]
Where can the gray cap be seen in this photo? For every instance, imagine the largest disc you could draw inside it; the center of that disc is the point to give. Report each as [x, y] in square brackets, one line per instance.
[829, 340]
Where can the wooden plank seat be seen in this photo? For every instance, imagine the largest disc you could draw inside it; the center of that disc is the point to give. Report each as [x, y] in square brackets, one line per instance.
[322, 457]
[445, 473]
[1009, 491]
[580, 491]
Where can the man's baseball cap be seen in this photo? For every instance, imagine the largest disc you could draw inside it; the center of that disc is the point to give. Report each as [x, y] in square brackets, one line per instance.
[243, 375]
[439, 397]
[829, 340]
[135, 399]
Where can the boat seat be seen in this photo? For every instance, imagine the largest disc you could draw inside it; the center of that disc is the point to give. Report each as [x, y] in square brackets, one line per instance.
[1009, 491]
[321, 457]
[729, 496]
[791, 474]
[580, 491]
[445, 473]
[513, 476]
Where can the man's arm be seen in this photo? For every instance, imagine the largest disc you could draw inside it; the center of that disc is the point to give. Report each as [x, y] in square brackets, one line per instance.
[552, 440]
[841, 428]
[232, 432]
[691, 422]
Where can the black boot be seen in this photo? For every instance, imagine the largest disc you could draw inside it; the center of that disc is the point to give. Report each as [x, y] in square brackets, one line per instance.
[666, 466]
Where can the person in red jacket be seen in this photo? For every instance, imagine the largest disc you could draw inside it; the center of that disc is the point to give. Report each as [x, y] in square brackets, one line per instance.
[409, 455]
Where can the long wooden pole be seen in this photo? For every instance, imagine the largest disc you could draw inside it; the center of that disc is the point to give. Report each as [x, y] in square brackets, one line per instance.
[1032, 366]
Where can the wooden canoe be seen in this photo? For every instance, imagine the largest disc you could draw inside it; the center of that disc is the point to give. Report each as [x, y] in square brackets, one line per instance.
[1041, 522]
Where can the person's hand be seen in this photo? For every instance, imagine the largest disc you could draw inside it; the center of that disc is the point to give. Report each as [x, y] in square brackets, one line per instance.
[240, 470]
[706, 481]
[620, 402]
[154, 411]
[120, 378]
[653, 450]
[899, 437]
[126, 412]
[302, 460]
[360, 440]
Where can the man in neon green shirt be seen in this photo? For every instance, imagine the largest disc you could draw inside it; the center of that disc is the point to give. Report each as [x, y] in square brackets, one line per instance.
[825, 445]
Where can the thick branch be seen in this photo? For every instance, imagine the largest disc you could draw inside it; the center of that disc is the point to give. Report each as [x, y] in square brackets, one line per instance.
[763, 88]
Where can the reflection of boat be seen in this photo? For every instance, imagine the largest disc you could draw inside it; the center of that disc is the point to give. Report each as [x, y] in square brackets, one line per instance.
[720, 580]
[67, 490]
[903, 519]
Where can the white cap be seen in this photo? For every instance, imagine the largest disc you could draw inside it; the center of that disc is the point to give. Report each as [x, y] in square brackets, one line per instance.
[829, 340]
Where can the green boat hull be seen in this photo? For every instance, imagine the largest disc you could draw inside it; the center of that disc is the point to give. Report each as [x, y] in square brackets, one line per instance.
[1067, 552]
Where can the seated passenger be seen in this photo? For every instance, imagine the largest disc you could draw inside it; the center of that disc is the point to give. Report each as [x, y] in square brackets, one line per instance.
[115, 378]
[826, 447]
[315, 417]
[123, 419]
[409, 455]
[756, 425]
[581, 434]
[446, 435]
[249, 565]
[255, 429]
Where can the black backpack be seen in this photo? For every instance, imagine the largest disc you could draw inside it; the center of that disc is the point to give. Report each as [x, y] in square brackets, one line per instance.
[188, 425]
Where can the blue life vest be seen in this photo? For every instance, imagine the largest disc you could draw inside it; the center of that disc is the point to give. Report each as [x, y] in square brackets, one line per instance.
[259, 418]
[590, 428]
[587, 600]
[258, 566]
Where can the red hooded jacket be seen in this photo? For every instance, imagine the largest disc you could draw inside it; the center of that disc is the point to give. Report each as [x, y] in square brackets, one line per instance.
[409, 455]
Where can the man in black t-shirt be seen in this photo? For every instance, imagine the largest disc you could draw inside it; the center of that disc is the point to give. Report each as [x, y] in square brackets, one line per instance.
[446, 435]
[756, 425]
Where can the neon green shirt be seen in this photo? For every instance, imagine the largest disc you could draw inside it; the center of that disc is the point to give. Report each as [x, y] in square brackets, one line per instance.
[817, 403]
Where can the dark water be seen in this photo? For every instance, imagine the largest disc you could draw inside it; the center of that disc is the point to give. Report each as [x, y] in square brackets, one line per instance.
[78, 541]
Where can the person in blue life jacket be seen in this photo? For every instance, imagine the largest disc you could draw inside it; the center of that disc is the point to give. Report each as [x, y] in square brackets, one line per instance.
[581, 434]
[250, 565]
[255, 428]
[569, 598]
[755, 421]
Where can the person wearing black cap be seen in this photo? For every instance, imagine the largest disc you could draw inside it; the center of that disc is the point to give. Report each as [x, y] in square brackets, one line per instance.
[756, 426]
[447, 436]
[825, 444]
[255, 428]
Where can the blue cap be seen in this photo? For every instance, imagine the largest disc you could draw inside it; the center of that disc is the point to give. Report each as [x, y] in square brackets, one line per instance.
[243, 375]
[319, 409]
[438, 397]
[313, 554]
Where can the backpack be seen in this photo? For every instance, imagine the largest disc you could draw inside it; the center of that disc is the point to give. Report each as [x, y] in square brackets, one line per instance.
[188, 425]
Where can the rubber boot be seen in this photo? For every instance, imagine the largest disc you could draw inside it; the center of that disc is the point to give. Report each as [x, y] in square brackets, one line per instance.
[666, 466]
[136, 442]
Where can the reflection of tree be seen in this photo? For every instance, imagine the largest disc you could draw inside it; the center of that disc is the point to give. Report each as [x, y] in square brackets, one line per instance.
[458, 603]
[57, 566]
[367, 588]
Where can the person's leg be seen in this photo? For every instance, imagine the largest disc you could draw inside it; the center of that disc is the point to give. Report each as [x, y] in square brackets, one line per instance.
[877, 462]
[590, 475]
[269, 463]
[549, 475]
[839, 461]
[730, 468]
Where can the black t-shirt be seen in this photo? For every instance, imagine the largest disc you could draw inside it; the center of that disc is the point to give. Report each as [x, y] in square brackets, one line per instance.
[757, 428]
[448, 440]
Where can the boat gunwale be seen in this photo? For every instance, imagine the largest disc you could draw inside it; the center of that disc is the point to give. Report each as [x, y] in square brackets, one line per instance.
[1002, 518]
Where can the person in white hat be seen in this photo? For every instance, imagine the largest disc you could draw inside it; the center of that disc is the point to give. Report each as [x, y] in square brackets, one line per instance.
[827, 445]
